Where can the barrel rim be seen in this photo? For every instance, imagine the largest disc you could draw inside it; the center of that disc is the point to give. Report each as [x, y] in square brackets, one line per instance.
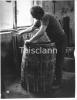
[42, 43]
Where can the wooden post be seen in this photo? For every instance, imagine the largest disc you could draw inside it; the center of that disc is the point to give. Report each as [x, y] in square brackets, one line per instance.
[15, 15]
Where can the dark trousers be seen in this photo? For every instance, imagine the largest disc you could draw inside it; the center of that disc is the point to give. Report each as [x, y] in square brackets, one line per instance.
[60, 60]
[59, 65]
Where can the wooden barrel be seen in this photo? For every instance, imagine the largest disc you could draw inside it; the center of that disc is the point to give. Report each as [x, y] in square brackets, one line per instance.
[38, 66]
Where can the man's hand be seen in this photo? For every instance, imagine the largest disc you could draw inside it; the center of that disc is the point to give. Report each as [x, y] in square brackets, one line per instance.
[27, 42]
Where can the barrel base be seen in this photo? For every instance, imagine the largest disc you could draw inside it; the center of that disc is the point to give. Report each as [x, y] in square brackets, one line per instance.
[34, 86]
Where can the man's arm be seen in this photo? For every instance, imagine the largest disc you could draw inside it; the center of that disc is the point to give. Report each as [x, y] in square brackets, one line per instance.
[36, 25]
[42, 30]
[28, 30]
[39, 33]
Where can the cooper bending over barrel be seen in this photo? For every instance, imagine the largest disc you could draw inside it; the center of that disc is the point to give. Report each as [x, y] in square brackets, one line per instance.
[48, 24]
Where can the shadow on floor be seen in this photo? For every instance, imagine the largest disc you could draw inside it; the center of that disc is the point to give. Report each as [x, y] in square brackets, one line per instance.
[67, 90]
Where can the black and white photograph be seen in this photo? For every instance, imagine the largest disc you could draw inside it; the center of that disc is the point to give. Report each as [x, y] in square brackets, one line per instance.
[37, 40]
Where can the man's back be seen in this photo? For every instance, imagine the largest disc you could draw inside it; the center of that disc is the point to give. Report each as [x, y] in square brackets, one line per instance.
[54, 29]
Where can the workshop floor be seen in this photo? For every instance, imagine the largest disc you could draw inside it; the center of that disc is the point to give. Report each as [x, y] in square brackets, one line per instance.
[67, 89]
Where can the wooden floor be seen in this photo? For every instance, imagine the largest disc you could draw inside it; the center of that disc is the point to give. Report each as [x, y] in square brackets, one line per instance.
[67, 89]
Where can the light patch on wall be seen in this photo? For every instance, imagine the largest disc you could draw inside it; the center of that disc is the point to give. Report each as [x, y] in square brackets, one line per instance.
[6, 15]
[23, 13]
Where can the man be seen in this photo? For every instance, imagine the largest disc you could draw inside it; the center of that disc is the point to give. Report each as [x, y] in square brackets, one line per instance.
[48, 23]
